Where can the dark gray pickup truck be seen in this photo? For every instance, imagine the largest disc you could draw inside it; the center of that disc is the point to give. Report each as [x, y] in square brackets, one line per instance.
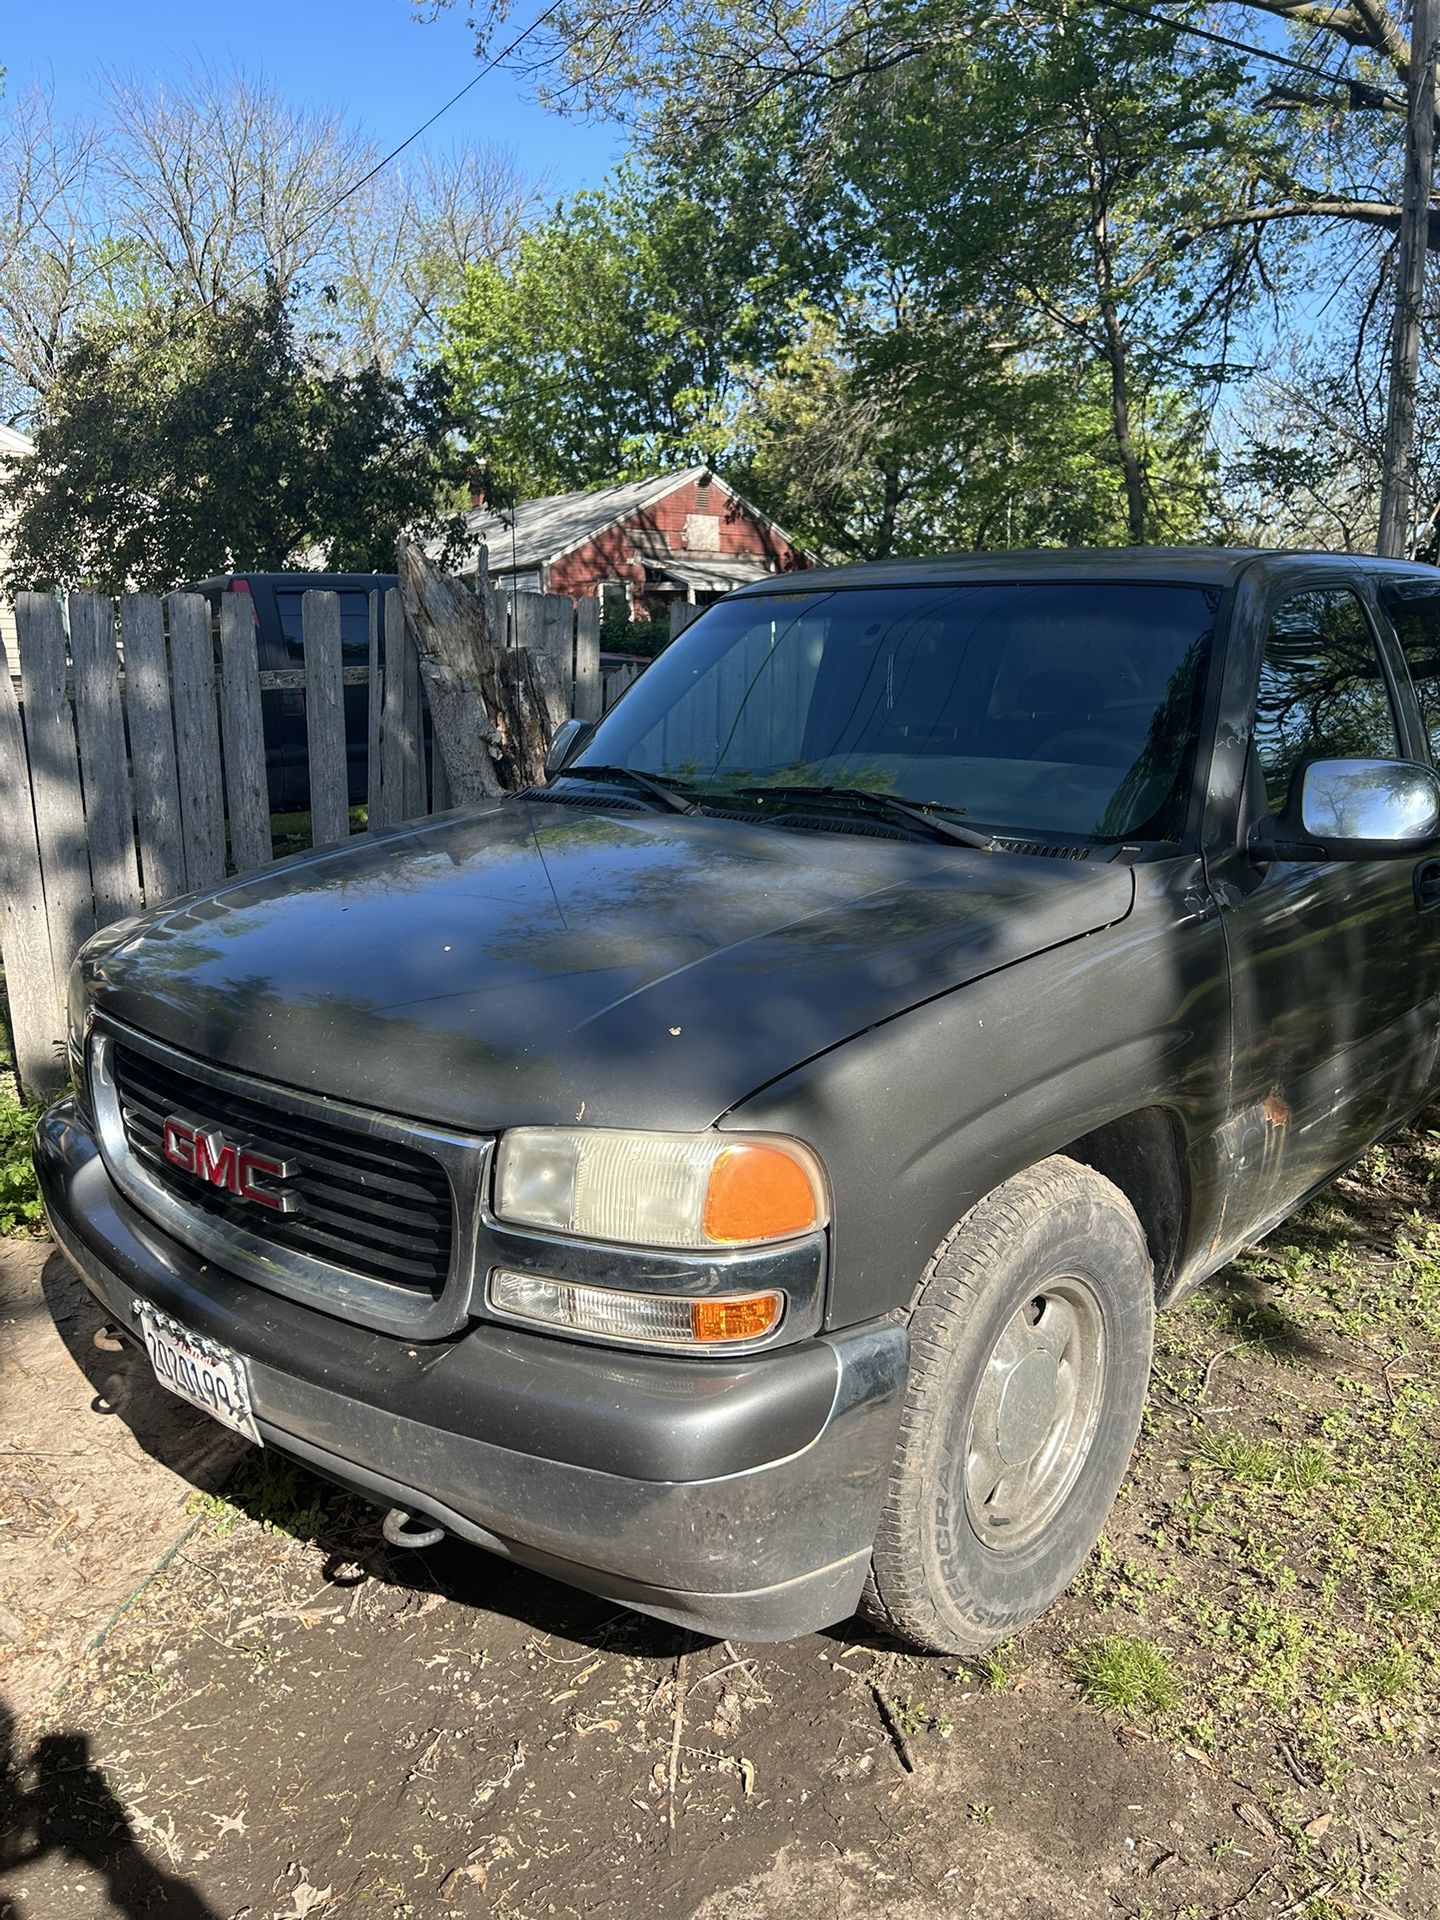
[740, 1177]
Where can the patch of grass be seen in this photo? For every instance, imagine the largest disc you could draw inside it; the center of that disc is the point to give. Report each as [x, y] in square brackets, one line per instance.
[1264, 1463]
[1383, 1678]
[1124, 1674]
[997, 1668]
[276, 1494]
[20, 1209]
[291, 832]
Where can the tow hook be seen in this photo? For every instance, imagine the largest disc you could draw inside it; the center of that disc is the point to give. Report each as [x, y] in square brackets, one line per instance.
[396, 1529]
[109, 1338]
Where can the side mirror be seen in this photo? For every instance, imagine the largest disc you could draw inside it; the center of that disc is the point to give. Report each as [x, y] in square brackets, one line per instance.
[1353, 810]
[570, 737]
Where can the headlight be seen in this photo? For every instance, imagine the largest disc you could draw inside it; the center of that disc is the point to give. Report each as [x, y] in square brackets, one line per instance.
[659, 1189]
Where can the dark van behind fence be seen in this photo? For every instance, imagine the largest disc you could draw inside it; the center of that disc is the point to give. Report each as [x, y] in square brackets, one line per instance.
[132, 760]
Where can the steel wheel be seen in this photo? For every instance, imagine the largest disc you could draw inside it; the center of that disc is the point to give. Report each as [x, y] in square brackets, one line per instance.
[1035, 1414]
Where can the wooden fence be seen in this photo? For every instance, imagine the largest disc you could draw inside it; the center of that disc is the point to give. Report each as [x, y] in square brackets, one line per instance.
[133, 759]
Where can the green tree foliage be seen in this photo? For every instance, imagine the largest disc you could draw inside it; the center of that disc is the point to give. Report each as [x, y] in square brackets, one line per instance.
[608, 347]
[180, 441]
[865, 462]
[937, 301]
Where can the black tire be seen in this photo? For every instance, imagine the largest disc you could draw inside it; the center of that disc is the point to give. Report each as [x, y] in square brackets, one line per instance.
[944, 1572]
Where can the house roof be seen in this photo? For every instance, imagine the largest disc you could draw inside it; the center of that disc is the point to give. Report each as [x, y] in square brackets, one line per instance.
[12, 441]
[538, 531]
[712, 572]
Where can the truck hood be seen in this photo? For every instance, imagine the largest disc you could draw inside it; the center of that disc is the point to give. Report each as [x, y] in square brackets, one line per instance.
[540, 963]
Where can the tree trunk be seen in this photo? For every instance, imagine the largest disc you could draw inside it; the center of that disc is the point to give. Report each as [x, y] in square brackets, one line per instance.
[493, 708]
[1396, 478]
[1120, 417]
[1115, 348]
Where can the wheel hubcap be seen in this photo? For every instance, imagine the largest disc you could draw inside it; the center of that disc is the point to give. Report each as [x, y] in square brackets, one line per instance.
[1035, 1414]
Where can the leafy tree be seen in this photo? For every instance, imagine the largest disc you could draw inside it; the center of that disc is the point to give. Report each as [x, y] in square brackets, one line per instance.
[907, 315]
[182, 442]
[864, 462]
[608, 346]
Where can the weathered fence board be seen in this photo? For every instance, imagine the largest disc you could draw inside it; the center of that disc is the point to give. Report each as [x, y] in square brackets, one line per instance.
[393, 740]
[37, 1012]
[247, 797]
[587, 659]
[557, 640]
[373, 804]
[104, 760]
[325, 720]
[152, 746]
[197, 739]
[55, 781]
[527, 620]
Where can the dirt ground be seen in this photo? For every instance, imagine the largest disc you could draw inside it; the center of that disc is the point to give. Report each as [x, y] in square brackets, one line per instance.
[244, 1707]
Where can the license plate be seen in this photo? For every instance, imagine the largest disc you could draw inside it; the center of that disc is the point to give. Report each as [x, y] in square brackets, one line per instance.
[201, 1371]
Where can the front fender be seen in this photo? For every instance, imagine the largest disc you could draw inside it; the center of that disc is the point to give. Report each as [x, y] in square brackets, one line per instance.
[920, 1117]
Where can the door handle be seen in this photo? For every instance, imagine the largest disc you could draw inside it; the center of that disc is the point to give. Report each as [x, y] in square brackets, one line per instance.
[1427, 885]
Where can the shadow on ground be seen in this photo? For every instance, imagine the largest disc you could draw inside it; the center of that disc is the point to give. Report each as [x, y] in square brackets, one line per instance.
[56, 1805]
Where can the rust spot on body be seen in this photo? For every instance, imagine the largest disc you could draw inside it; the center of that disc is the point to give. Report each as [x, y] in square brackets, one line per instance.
[1275, 1110]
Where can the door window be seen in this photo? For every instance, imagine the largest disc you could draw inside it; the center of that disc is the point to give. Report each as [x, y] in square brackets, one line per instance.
[1322, 690]
[1414, 611]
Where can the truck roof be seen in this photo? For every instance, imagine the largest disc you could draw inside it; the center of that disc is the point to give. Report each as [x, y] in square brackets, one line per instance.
[1194, 566]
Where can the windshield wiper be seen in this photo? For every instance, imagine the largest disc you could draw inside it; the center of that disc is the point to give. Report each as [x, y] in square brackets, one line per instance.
[645, 783]
[917, 812]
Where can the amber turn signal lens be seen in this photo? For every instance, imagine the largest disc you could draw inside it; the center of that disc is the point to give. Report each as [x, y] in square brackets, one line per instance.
[735, 1319]
[757, 1191]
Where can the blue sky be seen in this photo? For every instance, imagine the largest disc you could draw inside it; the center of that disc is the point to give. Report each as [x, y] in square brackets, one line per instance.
[371, 56]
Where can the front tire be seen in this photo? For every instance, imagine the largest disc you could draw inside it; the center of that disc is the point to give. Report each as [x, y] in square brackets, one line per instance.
[1030, 1353]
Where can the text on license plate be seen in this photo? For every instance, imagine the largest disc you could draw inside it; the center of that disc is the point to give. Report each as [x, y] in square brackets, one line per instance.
[201, 1371]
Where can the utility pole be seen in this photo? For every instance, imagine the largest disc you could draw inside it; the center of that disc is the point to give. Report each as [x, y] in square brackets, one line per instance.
[1409, 285]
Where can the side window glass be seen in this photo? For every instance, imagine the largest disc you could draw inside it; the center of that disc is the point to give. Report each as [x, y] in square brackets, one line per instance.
[1322, 692]
[354, 628]
[1414, 612]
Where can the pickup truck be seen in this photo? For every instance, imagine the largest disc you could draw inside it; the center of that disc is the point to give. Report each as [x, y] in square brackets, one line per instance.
[740, 1176]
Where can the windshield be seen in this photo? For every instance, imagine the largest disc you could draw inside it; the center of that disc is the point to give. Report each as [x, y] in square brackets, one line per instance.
[1063, 708]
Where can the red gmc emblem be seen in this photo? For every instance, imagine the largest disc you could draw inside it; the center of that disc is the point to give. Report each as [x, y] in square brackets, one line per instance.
[244, 1169]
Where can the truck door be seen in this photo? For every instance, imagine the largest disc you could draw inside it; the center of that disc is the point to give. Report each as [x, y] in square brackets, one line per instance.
[1334, 969]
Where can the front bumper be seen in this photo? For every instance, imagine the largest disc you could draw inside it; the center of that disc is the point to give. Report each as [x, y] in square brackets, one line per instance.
[738, 1498]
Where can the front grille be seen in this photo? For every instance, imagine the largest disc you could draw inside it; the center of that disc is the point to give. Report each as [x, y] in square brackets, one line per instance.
[375, 1207]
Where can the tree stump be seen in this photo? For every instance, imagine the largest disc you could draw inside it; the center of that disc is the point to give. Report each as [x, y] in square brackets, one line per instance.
[493, 708]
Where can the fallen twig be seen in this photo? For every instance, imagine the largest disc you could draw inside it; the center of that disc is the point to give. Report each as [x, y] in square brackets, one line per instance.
[675, 1733]
[1249, 1893]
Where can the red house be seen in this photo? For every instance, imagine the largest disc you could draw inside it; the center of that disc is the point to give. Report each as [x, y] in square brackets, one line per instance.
[681, 536]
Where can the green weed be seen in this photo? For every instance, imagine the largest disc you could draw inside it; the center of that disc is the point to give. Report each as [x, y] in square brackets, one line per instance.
[1122, 1674]
[20, 1208]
